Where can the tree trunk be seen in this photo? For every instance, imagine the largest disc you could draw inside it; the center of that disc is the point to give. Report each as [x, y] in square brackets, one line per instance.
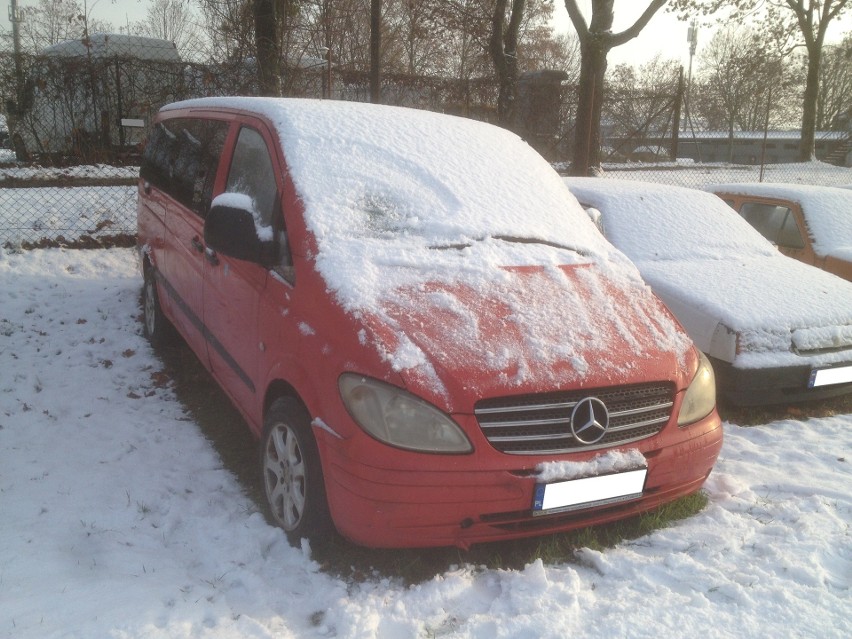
[807, 145]
[375, 51]
[587, 129]
[503, 49]
[268, 47]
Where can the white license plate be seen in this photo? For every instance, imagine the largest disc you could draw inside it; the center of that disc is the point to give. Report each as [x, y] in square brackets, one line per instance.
[588, 492]
[829, 376]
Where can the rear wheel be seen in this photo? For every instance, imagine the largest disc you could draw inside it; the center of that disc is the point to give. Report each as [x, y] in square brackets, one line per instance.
[156, 326]
[292, 476]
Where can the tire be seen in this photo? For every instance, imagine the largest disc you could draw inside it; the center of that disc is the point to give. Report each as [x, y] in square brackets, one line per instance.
[156, 327]
[292, 474]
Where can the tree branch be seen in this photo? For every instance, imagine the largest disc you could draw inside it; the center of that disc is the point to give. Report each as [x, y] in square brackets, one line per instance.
[618, 39]
[577, 19]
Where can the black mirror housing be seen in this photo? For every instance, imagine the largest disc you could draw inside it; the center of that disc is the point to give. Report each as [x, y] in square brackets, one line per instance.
[231, 231]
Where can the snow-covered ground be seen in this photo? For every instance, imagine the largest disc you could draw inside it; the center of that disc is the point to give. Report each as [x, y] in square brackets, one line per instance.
[698, 175]
[119, 519]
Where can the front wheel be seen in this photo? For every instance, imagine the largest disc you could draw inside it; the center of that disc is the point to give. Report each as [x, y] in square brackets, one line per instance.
[292, 476]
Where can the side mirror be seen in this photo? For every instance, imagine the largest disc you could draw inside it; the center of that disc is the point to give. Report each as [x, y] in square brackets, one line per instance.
[231, 229]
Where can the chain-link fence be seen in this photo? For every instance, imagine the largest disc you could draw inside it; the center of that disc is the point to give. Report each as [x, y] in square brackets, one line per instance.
[76, 130]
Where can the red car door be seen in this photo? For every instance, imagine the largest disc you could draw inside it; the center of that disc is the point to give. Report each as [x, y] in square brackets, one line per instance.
[193, 167]
[233, 287]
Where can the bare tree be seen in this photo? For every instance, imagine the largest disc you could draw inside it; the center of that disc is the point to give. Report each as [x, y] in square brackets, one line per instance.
[173, 20]
[229, 29]
[503, 46]
[52, 21]
[742, 81]
[596, 41]
[545, 49]
[639, 104]
[808, 21]
[834, 105]
[267, 41]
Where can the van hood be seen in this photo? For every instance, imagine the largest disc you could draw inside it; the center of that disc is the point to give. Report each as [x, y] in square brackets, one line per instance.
[529, 329]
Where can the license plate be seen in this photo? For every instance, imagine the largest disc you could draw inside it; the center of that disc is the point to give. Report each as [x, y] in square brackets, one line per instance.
[829, 376]
[587, 492]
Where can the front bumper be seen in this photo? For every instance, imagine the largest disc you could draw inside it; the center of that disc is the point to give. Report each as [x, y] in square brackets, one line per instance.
[778, 385]
[428, 500]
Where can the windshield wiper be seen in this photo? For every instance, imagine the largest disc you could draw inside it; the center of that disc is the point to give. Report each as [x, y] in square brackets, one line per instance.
[530, 240]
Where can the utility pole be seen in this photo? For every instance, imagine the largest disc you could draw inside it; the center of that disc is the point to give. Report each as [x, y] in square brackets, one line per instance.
[692, 39]
[15, 17]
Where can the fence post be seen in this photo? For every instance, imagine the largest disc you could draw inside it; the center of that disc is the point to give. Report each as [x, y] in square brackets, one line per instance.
[765, 134]
[676, 117]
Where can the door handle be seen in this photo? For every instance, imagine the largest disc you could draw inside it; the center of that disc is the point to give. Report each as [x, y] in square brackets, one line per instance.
[197, 245]
[211, 256]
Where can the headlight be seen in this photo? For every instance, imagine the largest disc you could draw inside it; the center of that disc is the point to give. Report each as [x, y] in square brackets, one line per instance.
[400, 419]
[700, 397]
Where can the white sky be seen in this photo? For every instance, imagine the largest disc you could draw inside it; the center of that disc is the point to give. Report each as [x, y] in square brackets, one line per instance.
[665, 34]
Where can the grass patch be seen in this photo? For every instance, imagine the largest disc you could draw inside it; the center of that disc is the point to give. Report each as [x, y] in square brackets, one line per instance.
[754, 415]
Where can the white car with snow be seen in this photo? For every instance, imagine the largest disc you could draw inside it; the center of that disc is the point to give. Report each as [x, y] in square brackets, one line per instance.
[775, 329]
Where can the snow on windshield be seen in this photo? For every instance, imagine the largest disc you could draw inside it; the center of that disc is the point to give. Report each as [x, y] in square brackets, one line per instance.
[423, 193]
[400, 199]
[828, 211]
[657, 222]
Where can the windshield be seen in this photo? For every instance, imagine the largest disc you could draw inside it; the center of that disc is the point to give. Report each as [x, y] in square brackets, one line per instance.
[391, 190]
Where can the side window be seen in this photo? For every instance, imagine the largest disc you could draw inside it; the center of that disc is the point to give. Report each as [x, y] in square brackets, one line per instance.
[252, 173]
[776, 223]
[181, 158]
[790, 235]
[156, 158]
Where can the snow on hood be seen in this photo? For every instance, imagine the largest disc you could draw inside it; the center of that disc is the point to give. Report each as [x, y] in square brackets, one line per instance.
[694, 250]
[400, 200]
[828, 211]
[531, 327]
[773, 293]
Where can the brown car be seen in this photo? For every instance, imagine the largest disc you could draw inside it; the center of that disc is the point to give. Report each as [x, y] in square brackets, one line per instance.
[812, 224]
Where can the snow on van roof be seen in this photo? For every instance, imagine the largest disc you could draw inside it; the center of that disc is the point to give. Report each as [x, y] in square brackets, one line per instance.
[393, 186]
[828, 211]
[398, 197]
[107, 45]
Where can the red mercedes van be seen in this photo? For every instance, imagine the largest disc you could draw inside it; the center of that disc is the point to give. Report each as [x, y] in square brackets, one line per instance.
[430, 338]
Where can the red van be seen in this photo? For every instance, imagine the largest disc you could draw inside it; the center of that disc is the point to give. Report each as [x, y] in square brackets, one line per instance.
[430, 338]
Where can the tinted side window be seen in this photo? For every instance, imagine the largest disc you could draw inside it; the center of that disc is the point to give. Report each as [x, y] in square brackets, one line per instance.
[156, 158]
[181, 159]
[252, 173]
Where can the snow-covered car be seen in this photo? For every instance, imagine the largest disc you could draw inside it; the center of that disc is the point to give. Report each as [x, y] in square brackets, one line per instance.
[429, 337]
[812, 224]
[775, 329]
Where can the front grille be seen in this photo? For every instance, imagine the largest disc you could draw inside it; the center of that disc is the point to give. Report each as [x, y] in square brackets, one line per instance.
[541, 424]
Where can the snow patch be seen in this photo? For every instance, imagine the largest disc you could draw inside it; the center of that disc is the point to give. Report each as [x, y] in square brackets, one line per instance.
[613, 461]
